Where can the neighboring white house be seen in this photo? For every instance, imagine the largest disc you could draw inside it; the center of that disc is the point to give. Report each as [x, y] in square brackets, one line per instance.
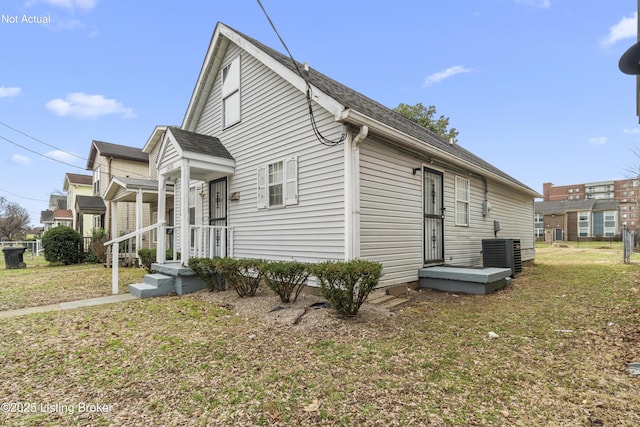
[247, 158]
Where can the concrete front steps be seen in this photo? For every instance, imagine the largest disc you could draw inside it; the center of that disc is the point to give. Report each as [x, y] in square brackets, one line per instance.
[169, 278]
[479, 281]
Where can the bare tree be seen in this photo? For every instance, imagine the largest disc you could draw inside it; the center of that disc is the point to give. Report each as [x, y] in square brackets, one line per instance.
[13, 219]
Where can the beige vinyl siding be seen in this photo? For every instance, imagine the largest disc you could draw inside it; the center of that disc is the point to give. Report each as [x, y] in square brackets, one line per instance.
[153, 162]
[274, 126]
[390, 211]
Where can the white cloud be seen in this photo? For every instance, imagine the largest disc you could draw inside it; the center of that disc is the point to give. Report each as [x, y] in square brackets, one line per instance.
[442, 75]
[20, 160]
[8, 92]
[632, 131]
[86, 106]
[84, 5]
[625, 29]
[62, 156]
[598, 140]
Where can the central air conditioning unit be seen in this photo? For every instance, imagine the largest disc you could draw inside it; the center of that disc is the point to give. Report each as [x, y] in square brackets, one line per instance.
[503, 253]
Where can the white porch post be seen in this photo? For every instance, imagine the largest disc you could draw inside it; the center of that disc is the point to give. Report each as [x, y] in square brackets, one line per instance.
[115, 249]
[138, 219]
[161, 242]
[185, 235]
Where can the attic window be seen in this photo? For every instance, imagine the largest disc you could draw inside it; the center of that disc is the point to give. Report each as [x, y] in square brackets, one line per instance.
[231, 93]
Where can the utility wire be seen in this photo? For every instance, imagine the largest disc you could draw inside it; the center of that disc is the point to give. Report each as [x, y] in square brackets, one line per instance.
[40, 141]
[324, 140]
[114, 168]
[22, 197]
[39, 154]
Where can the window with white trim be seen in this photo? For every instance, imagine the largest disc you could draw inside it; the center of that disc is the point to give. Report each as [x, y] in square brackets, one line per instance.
[277, 183]
[96, 181]
[231, 93]
[583, 224]
[610, 223]
[463, 197]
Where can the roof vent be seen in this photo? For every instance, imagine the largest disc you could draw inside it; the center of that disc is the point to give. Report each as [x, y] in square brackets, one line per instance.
[451, 141]
[306, 66]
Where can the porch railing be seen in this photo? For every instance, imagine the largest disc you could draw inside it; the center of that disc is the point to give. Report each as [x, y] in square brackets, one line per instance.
[211, 241]
[115, 254]
[206, 241]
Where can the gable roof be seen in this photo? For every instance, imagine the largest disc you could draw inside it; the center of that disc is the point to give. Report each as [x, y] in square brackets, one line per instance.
[117, 151]
[198, 143]
[77, 179]
[46, 216]
[560, 207]
[348, 105]
[57, 201]
[90, 205]
[63, 214]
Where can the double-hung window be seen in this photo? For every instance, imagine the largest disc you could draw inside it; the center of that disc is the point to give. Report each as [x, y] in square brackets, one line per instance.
[278, 183]
[463, 198]
[231, 93]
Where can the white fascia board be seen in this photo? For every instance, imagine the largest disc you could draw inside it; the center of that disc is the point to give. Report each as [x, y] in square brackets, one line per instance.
[213, 163]
[219, 42]
[325, 101]
[154, 139]
[351, 116]
[206, 78]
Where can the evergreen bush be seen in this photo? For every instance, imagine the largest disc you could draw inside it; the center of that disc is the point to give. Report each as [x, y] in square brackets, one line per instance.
[346, 285]
[62, 245]
[206, 270]
[286, 278]
[147, 256]
[243, 275]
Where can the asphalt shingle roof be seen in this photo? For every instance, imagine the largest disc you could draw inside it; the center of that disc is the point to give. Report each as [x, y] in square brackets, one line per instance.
[90, 204]
[108, 149]
[198, 143]
[359, 102]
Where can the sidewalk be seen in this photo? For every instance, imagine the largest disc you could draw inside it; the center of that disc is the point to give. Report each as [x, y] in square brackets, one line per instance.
[66, 305]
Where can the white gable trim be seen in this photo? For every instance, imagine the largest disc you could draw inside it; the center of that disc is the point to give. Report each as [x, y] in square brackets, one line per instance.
[217, 49]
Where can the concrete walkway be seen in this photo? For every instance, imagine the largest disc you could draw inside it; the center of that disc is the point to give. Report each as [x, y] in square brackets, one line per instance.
[67, 305]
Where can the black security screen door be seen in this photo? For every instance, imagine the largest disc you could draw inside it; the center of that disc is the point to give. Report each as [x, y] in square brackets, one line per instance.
[218, 213]
[433, 217]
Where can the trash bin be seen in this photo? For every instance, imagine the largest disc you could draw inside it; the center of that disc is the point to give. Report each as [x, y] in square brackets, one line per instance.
[13, 256]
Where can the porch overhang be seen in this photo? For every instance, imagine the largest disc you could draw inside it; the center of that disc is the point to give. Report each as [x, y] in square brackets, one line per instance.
[126, 190]
[90, 205]
[203, 168]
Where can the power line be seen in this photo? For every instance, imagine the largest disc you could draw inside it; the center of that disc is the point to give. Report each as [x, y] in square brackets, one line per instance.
[324, 140]
[22, 197]
[39, 154]
[40, 141]
[115, 169]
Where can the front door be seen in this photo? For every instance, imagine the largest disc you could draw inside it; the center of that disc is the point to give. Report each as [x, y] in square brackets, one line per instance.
[218, 214]
[433, 217]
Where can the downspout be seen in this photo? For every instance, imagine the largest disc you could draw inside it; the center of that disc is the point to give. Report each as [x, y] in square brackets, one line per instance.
[352, 194]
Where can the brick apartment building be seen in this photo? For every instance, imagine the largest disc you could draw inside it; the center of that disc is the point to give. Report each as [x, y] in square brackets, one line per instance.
[626, 192]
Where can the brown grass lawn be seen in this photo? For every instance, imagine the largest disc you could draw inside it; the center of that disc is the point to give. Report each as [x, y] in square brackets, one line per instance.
[566, 330]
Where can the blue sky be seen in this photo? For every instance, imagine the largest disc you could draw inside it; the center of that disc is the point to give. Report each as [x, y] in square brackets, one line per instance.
[532, 86]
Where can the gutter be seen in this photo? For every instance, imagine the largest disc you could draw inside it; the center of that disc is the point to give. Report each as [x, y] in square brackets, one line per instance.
[352, 194]
[349, 115]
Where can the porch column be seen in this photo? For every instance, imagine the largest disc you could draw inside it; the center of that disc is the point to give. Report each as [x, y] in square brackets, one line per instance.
[138, 219]
[185, 235]
[115, 250]
[161, 242]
